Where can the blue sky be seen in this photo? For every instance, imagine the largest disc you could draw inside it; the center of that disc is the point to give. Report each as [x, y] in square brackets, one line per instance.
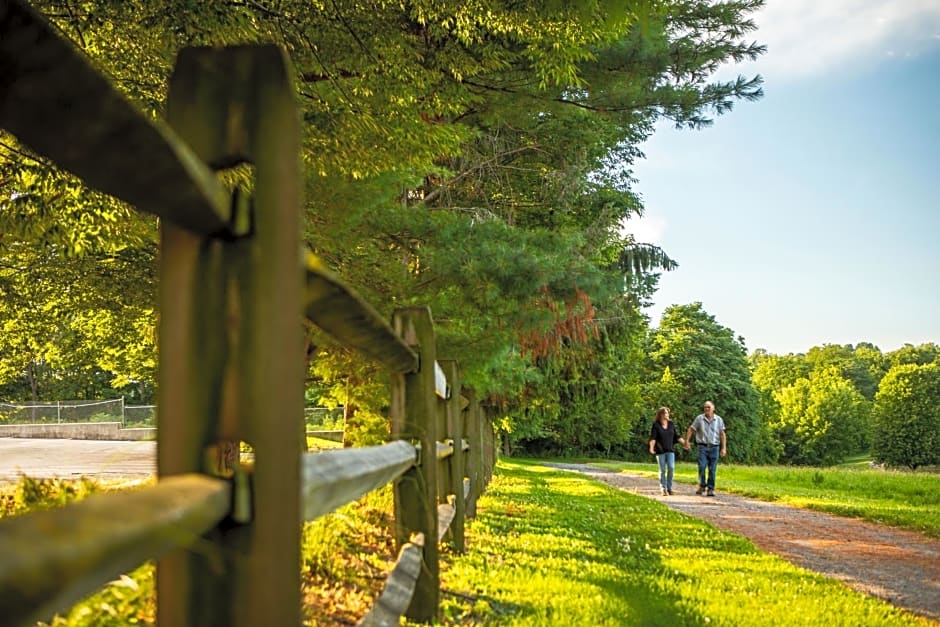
[812, 216]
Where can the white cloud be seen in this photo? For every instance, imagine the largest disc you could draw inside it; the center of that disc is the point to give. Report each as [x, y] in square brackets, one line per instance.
[812, 37]
[646, 230]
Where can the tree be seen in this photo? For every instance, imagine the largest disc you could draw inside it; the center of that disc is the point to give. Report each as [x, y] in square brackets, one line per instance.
[822, 419]
[906, 416]
[586, 398]
[76, 326]
[910, 354]
[708, 363]
[771, 374]
[477, 155]
[862, 365]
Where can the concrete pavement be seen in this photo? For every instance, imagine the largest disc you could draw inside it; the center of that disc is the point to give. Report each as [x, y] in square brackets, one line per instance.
[43, 458]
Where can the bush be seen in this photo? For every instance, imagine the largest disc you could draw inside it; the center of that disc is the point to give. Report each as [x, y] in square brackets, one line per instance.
[31, 494]
[822, 419]
[906, 416]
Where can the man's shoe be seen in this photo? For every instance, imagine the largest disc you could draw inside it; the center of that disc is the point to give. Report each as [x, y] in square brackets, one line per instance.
[710, 493]
[700, 491]
[669, 492]
[663, 490]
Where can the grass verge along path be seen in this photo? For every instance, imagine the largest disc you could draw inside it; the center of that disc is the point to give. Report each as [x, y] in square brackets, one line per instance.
[550, 547]
[910, 500]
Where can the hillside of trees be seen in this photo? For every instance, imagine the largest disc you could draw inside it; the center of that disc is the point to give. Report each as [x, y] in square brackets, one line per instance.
[473, 157]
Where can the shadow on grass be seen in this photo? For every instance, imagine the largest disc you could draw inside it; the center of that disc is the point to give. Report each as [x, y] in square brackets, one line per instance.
[540, 530]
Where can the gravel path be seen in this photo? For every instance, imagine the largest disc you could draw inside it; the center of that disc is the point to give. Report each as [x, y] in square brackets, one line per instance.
[901, 567]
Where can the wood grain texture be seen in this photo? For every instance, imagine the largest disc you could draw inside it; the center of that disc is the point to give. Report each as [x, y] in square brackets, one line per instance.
[332, 478]
[51, 559]
[399, 587]
[342, 313]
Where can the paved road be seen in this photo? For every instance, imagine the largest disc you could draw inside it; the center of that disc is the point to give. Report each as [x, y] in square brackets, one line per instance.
[75, 458]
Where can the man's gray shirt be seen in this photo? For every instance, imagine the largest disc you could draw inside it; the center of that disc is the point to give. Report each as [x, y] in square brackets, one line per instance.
[708, 431]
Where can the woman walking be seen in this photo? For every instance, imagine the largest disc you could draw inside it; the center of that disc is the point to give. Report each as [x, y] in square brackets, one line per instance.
[663, 440]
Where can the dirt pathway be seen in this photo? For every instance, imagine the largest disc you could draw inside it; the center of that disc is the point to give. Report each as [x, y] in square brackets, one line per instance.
[901, 567]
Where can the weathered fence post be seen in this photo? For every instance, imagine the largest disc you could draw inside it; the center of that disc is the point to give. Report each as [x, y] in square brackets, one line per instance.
[231, 344]
[457, 461]
[443, 435]
[475, 456]
[489, 448]
[414, 418]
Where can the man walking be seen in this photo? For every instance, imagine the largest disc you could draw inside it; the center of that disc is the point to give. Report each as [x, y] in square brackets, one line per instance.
[709, 430]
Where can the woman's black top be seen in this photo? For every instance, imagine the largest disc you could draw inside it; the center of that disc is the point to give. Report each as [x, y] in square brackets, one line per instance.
[666, 437]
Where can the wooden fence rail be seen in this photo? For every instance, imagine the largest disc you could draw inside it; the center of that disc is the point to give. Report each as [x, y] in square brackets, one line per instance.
[232, 293]
[52, 559]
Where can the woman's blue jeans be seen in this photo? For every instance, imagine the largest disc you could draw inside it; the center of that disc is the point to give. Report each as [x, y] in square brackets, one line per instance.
[667, 468]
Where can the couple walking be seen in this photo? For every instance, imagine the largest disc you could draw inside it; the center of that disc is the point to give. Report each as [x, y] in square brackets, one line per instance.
[709, 430]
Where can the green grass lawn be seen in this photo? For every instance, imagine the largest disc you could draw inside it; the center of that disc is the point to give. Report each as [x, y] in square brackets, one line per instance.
[904, 499]
[550, 547]
[319, 444]
[555, 548]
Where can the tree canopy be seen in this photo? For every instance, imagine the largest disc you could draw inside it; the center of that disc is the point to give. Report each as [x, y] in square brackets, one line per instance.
[907, 416]
[822, 419]
[707, 362]
[470, 156]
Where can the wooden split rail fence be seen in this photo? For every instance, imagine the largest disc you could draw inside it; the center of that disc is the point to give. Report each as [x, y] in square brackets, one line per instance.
[232, 293]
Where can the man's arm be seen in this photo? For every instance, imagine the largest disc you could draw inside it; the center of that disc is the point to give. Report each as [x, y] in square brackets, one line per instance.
[724, 443]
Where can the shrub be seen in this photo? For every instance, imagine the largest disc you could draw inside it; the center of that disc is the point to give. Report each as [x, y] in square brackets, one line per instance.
[906, 416]
[821, 420]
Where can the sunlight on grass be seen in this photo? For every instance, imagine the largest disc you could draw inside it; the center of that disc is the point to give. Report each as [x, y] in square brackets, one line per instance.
[318, 444]
[910, 500]
[556, 548]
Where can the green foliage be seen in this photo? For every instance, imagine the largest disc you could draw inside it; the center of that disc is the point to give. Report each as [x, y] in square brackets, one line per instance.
[345, 559]
[707, 362]
[771, 373]
[128, 600]
[774, 372]
[32, 494]
[588, 396]
[907, 416]
[75, 326]
[863, 365]
[822, 419]
[911, 354]
[474, 157]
